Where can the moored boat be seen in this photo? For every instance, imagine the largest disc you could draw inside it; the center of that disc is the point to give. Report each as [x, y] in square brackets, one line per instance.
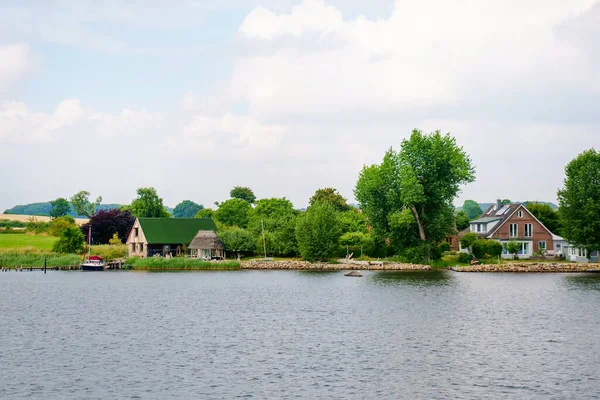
[93, 263]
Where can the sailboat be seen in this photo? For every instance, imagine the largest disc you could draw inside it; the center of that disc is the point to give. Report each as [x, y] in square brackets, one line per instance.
[93, 263]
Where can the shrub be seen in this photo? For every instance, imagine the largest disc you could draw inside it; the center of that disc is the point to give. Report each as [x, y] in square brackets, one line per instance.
[36, 226]
[71, 241]
[479, 248]
[494, 248]
[444, 247]
[468, 239]
[58, 225]
[464, 258]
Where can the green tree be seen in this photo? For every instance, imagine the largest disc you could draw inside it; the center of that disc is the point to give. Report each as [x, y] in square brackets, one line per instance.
[513, 247]
[409, 196]
[331, 196]
[278, 218]
[60, 224]
[243, 193]
[237, 240]
[506, 201]
[352, 221]
[233, 212]
[494, 248]
[468, 239]
[579, 201]
[82, 205]
[472, 209]
[60, 207]
[115, 240]
[461, 220]
[147, 204]
[71, 241]
[205, 213]
[317, 232]
[186, 209]
[546, 214]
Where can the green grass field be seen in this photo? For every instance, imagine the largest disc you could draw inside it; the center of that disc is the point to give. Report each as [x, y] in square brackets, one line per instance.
[17, 241]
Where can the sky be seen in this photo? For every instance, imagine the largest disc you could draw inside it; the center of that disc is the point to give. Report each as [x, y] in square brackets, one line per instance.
[194, 97]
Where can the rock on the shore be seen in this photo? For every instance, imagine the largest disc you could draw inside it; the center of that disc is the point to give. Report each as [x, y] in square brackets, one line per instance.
[528, 267]
[308, 266]
[354, 274]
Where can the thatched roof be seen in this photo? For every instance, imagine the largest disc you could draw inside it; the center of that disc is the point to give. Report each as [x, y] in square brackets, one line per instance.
[206, 240]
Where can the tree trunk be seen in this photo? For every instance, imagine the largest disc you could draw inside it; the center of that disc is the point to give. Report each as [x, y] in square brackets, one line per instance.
[419, 224]
[421, 231]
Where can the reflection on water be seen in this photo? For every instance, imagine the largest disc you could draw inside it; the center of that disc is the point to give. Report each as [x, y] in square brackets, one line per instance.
[583, 281]
[412, 278]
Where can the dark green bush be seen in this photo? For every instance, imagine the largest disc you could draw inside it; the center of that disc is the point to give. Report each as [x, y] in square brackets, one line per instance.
[464, 258]
[444, 247]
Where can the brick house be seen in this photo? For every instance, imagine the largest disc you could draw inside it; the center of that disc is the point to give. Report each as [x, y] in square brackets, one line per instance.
[508, 222]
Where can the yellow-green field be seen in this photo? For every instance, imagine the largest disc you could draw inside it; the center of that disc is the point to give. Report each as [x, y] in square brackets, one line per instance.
[24, 241]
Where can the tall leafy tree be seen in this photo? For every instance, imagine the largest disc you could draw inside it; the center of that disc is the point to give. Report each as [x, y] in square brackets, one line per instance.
[205, 213]
[472, 208]
[546, 214]
[318, 232]
[413, 190]
[237, 240]
[331, 196]
[186, 209]
[148, 204]
[82, 205]
[60, 207]
[278, 218]
[106, 223]
[579, 201]
[233, 212]
[243, 193]
[461, 220]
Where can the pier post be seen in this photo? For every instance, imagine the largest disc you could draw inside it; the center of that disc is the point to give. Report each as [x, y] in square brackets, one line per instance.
[44, 264]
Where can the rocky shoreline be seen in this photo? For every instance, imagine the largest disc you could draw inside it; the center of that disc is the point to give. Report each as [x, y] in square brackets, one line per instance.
[528, 267]
[308, 266]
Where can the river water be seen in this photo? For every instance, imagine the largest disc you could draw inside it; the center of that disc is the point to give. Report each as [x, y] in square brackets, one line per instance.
[291, 334]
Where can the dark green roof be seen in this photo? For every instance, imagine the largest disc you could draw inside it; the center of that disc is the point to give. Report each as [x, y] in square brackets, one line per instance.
[174, 230]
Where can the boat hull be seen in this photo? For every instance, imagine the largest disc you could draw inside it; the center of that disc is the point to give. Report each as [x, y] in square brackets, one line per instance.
[92, 267]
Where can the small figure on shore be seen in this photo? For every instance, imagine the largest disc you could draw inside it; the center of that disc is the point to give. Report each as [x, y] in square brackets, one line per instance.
[474, 261]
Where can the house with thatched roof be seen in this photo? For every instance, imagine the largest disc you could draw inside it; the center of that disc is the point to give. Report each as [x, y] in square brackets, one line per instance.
[207, 245]
[166, 237]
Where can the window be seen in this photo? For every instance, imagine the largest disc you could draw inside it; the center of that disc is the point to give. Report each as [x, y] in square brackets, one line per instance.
[514, 230]
[142, 247]
[558, 247]
[520, 213]
[542, 245]
[528, 230]
[525, 248]
[136, 232]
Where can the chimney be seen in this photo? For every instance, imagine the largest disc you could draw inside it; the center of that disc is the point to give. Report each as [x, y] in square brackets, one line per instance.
[498, 204]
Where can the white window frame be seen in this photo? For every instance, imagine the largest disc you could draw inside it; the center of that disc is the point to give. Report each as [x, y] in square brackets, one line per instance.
[545, 246]
[530, 230]
[520, 213]
[513, 233]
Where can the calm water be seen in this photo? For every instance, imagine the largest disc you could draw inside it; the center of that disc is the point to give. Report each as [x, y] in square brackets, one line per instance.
[275, 334]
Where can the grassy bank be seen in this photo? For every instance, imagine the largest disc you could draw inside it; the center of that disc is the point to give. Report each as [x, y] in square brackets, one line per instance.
[180, 264]
[29, 257]
[22, 240]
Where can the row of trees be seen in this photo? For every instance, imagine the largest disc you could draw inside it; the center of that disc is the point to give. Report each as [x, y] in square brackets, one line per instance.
[274, 227]
[406, 208]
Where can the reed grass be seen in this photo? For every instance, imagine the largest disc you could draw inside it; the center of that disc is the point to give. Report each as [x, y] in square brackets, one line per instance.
[181, 264]
[32, 257]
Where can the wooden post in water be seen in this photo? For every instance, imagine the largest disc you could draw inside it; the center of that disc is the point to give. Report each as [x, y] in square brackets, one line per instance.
[44, 264]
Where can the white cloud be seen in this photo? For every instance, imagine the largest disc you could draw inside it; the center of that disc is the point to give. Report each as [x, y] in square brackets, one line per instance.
[14, 63]
[426, 54]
